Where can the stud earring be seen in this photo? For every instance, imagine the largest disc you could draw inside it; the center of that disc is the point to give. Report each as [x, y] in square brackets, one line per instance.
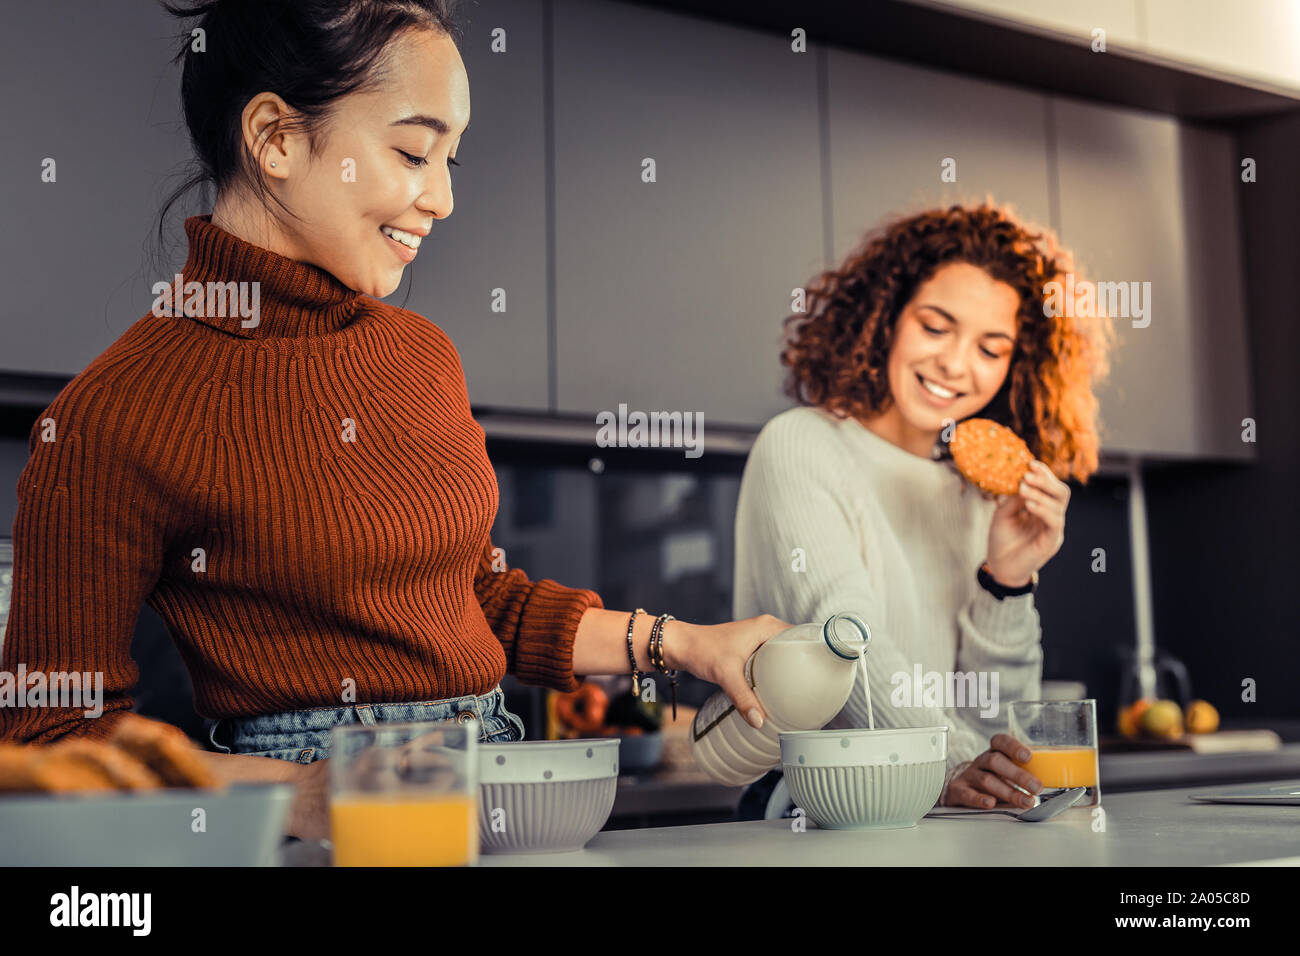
[272, 164]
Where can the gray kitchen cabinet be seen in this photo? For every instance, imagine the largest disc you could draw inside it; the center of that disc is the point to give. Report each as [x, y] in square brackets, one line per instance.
[72, 291]
[1223, 392]
[71, 258]
[495, 237]
[892, 126]
[670, 294]
[1146, 200]
[1259, 40]
[1076, 18]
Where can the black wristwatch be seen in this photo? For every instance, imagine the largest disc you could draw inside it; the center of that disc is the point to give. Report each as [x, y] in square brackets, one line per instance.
[1000, 591]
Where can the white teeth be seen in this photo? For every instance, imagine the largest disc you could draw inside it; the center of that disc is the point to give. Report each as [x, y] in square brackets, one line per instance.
[405, 238]
[936, 390]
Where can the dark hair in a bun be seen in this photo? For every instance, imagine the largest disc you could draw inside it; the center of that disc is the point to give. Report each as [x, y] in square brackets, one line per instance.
[309, 52]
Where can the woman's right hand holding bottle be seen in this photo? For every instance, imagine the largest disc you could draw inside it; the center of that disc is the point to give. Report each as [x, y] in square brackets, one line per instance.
[718, 652]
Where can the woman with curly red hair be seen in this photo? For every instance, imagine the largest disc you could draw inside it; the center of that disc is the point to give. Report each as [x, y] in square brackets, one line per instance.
[848, 501]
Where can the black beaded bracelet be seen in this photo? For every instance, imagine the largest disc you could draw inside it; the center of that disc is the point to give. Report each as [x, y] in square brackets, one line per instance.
[631, 655]
[657, 655]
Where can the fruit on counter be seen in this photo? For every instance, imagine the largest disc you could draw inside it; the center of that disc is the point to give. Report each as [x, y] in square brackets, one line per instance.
[1202, 718]
[583, 709]
[1163, 718]
[1131, 716]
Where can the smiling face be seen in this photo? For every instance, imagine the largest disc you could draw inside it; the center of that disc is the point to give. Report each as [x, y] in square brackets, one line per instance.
[384, 162]
[952, 349]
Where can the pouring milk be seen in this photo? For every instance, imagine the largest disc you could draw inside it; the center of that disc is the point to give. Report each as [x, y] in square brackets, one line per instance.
[802, 678]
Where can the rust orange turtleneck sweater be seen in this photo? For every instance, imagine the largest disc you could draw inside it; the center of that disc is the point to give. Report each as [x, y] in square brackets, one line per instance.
[202, 467]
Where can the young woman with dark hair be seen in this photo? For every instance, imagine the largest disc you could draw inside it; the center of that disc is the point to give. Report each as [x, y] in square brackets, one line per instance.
[847, 503]
[301, 492]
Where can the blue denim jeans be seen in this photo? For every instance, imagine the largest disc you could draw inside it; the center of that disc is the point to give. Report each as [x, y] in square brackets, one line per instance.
[304, 735]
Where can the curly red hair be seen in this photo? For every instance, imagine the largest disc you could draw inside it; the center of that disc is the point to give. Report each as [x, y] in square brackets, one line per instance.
[838, 351]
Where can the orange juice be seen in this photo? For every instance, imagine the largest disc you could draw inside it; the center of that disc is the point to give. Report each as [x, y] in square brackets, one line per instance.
[1063, 766]
[403, 830]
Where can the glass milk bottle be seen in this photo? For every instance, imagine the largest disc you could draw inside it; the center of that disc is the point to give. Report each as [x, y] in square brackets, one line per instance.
[802, 676]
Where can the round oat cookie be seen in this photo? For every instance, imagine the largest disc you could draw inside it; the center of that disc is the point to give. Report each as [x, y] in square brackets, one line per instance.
[990, 456]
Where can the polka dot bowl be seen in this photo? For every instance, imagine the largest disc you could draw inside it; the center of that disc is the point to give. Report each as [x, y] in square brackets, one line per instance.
[865, 779]
[545, 796]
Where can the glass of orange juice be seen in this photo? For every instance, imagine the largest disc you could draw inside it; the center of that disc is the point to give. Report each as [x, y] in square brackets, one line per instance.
[404, 794]
[1062, 739]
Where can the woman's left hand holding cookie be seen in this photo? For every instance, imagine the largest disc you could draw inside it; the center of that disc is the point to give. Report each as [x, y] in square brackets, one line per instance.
[1029, 527]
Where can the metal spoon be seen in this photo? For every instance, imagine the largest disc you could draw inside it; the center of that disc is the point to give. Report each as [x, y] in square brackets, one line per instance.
[1044, 811]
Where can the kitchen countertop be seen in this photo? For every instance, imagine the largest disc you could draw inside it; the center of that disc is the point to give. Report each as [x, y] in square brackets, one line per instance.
[1145, 771]
[677, 790]
[1146, 828]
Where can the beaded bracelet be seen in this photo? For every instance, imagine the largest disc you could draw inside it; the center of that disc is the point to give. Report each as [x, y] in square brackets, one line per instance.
[657, 655]
[631, 655]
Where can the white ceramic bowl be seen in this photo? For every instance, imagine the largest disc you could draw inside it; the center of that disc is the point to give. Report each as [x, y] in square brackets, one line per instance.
[545, 796]
[865, 779]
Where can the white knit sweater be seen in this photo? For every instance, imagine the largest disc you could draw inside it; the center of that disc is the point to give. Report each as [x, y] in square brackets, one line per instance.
[898, 539]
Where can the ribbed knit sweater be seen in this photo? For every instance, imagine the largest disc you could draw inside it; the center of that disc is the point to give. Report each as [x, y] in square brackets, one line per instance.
[898, 539]
[206, 468]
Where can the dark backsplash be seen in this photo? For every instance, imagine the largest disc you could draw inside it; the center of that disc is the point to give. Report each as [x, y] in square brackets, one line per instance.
[652, 533]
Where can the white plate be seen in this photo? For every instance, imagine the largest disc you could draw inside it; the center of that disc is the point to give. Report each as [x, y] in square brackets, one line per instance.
[1287, 794]
[239, 826]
